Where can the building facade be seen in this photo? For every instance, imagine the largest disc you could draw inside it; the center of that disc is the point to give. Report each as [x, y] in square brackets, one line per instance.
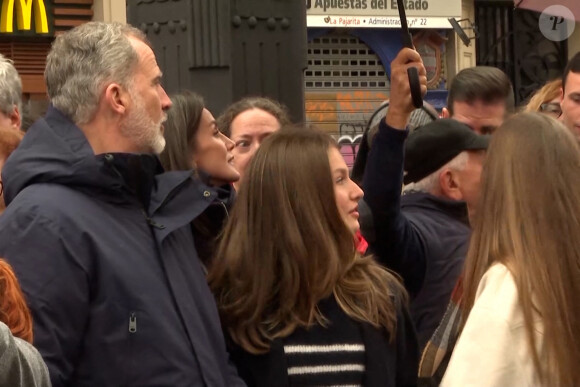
[350, 47]
[350, 44]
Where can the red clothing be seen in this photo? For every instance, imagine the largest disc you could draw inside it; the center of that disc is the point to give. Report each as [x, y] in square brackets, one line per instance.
[360, 242]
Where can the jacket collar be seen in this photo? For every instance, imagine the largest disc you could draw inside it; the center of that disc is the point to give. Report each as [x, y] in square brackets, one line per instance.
[55, 151]
[457, 209]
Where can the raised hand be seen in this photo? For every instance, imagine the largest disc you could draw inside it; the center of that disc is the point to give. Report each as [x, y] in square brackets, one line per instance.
[400, 101]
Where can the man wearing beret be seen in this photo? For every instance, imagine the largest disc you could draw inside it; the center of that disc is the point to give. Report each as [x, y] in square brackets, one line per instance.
[423, 234]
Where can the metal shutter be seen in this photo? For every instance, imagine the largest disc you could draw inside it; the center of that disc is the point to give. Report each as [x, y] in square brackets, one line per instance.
[344, 83]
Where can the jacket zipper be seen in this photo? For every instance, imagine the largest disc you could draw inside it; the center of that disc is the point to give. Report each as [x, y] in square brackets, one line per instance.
[132, 323]
[151, 222]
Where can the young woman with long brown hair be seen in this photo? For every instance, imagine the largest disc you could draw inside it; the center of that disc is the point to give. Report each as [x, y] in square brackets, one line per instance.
[521, 304]
[300, 304]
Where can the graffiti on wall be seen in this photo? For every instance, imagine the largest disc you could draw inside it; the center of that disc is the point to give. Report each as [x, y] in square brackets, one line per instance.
[349, 138]
[343, 114]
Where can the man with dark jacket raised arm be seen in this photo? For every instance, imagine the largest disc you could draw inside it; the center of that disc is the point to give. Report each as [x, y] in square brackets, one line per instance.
[423, 234]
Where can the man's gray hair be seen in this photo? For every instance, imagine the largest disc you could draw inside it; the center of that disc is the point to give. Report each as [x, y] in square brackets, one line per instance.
[84, 60]
[430, 183]
[10, 87]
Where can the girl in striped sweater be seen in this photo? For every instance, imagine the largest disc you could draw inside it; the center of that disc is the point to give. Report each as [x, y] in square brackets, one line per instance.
[300, 305]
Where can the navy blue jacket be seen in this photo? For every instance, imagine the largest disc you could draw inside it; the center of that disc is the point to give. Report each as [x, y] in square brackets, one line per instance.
[103, 249]
[422, 237]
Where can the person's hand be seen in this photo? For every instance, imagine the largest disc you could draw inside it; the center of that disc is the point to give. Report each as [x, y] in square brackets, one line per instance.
[401, 103]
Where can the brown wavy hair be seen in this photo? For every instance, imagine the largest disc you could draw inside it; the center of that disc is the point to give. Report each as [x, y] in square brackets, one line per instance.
[13, 310]
[530, 196]
[286, 247]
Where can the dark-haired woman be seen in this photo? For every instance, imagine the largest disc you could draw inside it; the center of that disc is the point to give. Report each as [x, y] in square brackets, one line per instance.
[194, 142]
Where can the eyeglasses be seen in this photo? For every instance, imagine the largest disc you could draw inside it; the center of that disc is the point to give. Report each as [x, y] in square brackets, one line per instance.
[551, 108]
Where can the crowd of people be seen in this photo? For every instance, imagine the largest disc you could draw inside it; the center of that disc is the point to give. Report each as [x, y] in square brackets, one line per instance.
[147, 243]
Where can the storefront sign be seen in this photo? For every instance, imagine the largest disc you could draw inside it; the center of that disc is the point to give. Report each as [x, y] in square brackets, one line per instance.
[381, 13]
[24, 11]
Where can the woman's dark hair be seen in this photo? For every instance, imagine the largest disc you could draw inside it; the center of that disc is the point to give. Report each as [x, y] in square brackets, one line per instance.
[279, 111]
[180, 129]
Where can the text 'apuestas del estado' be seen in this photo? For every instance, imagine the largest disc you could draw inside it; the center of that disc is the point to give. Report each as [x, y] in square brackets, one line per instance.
[365, 4]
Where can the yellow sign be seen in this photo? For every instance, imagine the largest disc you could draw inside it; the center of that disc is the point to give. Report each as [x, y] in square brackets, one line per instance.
[24, 16]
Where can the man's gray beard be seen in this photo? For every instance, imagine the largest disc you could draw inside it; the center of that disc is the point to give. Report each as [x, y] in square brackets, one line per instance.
[145, 133]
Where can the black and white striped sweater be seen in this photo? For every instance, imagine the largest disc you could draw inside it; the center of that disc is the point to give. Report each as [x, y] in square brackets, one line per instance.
[334, 364]
[344, 353]
[327, 356]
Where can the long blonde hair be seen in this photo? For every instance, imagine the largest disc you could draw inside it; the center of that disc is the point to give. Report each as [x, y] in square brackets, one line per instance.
[530, 221]
[286, 247]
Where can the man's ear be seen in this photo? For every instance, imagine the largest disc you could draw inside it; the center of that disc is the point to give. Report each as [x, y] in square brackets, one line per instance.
[445, 113]
[117, 98]
[15, 118]
[449, 184]
[561, 94]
